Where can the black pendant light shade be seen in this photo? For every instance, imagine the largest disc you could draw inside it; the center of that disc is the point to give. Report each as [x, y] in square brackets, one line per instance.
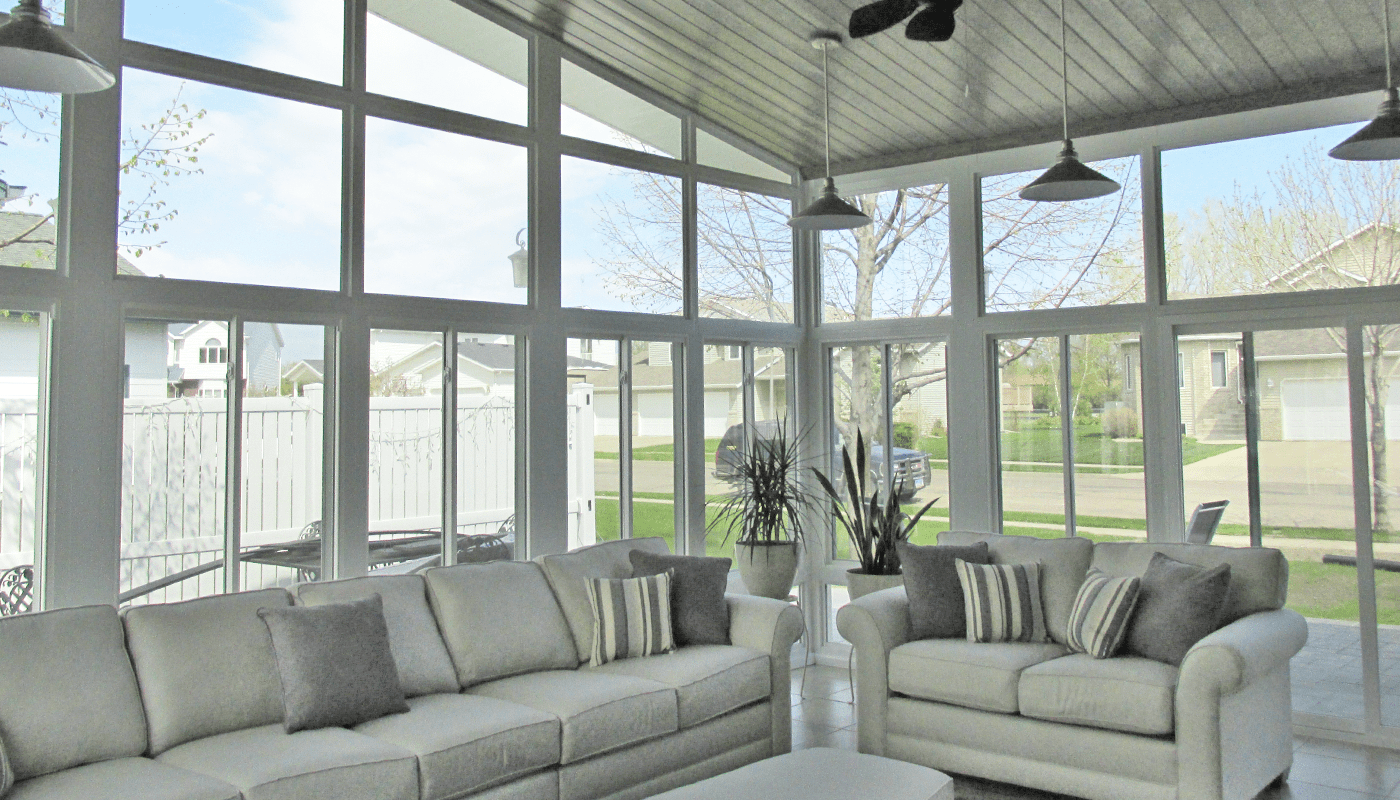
[1069, 179]
[1379, 140]
[829, 213]
[36, 58]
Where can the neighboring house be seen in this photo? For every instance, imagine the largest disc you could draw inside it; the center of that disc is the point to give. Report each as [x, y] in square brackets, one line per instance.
[30, 240]
[1366, 256]
[198, 356]
[483, 368]
[307, 372]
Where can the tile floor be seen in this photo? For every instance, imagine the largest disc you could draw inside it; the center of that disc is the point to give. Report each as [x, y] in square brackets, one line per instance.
[822, 716]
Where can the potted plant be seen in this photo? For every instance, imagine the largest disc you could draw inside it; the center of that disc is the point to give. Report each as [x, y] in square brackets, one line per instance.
[875, 525]
[764, 511]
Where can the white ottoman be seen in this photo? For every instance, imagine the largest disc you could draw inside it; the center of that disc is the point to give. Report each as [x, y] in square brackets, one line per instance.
[821, 773]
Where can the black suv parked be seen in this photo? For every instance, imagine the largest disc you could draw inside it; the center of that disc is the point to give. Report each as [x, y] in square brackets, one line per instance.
[911, 467]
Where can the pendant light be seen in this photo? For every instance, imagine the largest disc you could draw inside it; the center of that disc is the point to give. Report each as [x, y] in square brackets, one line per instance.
[1068, 178]
[37, 58]
[1380, 139]
[828, 212]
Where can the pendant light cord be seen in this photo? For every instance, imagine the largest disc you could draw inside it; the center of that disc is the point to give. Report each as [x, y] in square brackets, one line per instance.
[1385, 14]
[826, 103]
[1064, 72]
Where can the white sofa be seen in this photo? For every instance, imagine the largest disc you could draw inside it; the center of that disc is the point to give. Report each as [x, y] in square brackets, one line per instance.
[1123, 728]
[183, 702]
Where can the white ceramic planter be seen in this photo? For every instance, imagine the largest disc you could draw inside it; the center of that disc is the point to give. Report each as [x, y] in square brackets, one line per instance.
[767, 570]
[859, 583]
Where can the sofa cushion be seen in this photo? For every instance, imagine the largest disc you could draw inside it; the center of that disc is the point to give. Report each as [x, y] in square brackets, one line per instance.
[709, 679]
[1129, 694]
[598, 711]
[1002, 602]
[267, 763]
[931, 582]
[1098, 623]
[567, 573]
[983, 676]
[7, 773]
[419, 652]
[699, 612]
[59, 672]
[124, 778]
[1178, 605]
[631, 617]
[499, 619]
[335, 663]
[1258, 575]
[205, 666]
[1063, 564]
[466, 743]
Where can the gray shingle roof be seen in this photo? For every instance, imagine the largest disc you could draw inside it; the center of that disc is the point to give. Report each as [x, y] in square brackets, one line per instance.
[34, 240]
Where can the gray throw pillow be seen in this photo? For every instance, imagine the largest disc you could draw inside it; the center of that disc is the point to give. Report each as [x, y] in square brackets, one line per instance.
[936, 606]
[699, 612]
[335, 663]
[1178, 605]
[7, 772]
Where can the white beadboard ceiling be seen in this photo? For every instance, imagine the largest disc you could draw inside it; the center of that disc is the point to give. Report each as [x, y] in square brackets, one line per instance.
[746, 65]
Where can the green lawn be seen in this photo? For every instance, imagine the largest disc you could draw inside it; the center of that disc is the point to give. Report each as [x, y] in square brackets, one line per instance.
[1044, 445]
[659, 452]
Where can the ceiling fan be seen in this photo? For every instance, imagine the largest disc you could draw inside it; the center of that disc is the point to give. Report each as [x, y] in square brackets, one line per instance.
[933, 23]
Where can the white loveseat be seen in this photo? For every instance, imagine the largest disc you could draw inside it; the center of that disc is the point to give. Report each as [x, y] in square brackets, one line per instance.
[183, 702]
[1123, 728]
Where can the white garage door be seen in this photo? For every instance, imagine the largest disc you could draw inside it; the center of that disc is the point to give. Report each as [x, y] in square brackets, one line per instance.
[717, 413]
[1315, 410]
[654, 415]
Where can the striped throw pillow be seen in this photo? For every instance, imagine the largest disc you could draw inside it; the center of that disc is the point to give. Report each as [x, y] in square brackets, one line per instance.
[1098, 623]
[631, 617]
[1002, 602]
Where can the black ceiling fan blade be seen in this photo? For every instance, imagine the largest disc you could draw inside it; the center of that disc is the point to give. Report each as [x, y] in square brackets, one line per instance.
[880, 15]
[933, 24]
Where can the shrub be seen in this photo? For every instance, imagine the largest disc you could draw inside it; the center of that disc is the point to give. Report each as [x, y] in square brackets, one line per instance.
[904, 433]
[1120, 423]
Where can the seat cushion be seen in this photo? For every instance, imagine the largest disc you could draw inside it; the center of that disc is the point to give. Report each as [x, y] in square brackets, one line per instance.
[709, 679]
[568, 571]
[61, 671]
[467, 743]
[123, 778]
[499, 619]
[266, 763]
[205, 666]
[597, 711]
[419, 652]
[1063, 564]
[1126, 693]
[983, 676]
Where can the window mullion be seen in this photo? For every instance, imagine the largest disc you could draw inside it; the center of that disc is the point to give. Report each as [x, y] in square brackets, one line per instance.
[1067, 433]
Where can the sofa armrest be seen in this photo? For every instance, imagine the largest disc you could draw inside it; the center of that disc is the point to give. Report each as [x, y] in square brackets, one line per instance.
[1233, 706]
[874, 625]
[772, 627]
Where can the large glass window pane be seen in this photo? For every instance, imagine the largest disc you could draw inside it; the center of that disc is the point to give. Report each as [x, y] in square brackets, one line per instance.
[445, 215]
[29, 133]
[591, 108]
[745, 255]
[1110, 497]
[174, 440]
[439, 53]
[653, 440]
[283, 424]
[405, 442]
[714, 152]
[486, 409]
[895, 268]
[621, 239]
[300, 37]
[858, 407]
[1276, 214]
[724, 431]
[1032, 447]
[920, 414]
[206, 171]
[1062, 255]
[594, 465]
[19, 468]
[1212, 421]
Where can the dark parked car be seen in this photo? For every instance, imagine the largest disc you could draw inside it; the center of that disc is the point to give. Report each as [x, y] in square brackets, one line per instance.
[911, 467]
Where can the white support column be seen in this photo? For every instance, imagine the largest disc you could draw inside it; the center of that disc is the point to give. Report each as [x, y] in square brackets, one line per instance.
[80, 540]
[233, 458]
[974, 478]
[696, 465]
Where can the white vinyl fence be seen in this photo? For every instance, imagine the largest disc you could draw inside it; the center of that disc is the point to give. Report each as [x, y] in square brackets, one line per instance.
[173, 478]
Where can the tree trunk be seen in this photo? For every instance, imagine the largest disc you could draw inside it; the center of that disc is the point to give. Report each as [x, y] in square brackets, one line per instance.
[1375, 403]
